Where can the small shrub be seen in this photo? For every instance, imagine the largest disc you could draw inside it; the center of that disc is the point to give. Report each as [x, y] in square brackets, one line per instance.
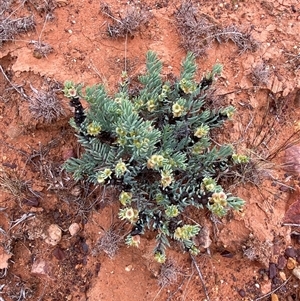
[41, 49]
[199, 31]
[45, 105]
[10, 26]
[260, 74]
[129, 24]
[155, 147]
[109, 243]
[169, 272]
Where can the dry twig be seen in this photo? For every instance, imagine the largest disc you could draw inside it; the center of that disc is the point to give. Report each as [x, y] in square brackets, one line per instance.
[201, 277]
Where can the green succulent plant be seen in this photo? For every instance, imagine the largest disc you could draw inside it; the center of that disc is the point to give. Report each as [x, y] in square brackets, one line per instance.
[155, 146]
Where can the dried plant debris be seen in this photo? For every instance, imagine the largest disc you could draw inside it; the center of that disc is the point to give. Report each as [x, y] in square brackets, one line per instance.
[12, 183]
[129, 24]
[260, 74]
[109, 243]
[41, 49]
[12, 26]
[294, 60]
[256, 250]
[199, 31]
[169, 272]
[45, 105]
[44, 6]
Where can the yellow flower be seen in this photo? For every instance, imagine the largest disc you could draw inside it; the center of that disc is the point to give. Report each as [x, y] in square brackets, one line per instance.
[100, 179]
[125, 198]
[151, 105]
[198, 148]
[120, 168]
[187, 86]
[120, 132]
[160, 257]
[201, 131]
[209, 184]
[219, 198]
[121, 141]
[177, 109]
[107, 172]
[103, 175]
[178, 234]
[155, 161]
[93, 129]
[133, 241]
[130, 214]
[172, 211]
[166, 178]
[240, 159]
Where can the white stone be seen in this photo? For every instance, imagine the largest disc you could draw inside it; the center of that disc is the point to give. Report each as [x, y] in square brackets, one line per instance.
[54, 235]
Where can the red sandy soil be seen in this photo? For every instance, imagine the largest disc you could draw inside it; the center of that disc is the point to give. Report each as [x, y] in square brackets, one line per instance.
[249, 250]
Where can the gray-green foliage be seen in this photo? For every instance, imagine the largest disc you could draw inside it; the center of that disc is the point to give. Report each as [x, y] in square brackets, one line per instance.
[156, 147]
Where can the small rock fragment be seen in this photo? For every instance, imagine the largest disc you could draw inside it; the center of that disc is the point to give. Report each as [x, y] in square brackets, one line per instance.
[74, 229]
[40, 268]
[266, 287]
[282, 275]
[128, 268]
[292, 159]
[290, 252]
[68, 153]
[296, 272]
[272, 270]
[291, 263]
[274, 297]
[54, 235]
[58, 253]
[242, 293]
[4, 257]
[281, 263]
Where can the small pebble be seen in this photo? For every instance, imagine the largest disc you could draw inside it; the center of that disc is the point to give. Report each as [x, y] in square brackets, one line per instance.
[274, 297]
[282, 275]
[128, 268]
[74, 229]
[296, 272]
[266, 287]
[242, 293]
[40, 268]
[272, 270]
[54, 235]
[290, 252]
[58, 253]
[291, 263]
[281, 263]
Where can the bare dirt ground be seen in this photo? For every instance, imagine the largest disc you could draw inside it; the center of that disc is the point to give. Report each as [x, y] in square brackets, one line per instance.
[254, 254]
